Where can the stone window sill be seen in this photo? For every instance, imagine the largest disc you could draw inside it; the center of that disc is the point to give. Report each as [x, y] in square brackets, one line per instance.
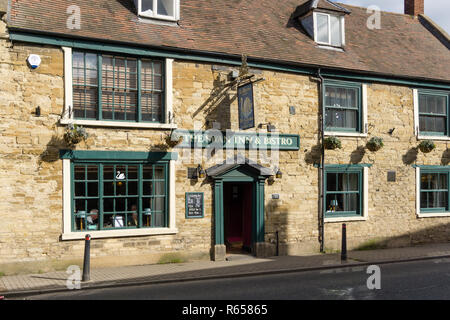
[433, 215]
[441, 138]
[344, 219]
[118, 233]
[346, 134]
[117, 124]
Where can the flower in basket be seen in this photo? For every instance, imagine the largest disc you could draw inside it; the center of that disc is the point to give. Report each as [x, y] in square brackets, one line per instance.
[173, 139]
[74, 134]
[332, 143]
[375, 144]
[427, 146]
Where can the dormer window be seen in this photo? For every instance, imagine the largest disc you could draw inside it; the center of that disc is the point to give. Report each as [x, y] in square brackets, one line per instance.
[159, 9]
[324, 21]
[329, 29]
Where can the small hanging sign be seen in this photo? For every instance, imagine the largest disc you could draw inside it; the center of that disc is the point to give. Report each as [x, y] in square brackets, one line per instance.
[246, 107]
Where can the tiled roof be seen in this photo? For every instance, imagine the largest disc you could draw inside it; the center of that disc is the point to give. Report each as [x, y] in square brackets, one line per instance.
[310, 5]
[262, 29]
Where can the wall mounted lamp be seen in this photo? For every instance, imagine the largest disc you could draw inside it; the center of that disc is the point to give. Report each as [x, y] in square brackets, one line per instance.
[279, 174]
[270, 127]
[201, 172]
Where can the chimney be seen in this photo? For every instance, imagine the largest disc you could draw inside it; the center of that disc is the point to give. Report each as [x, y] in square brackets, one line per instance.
[414, 7]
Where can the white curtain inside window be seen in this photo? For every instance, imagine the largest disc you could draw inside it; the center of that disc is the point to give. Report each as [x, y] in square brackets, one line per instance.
[322, 28]
[335, 25]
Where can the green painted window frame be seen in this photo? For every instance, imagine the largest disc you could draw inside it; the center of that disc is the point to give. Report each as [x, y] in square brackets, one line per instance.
[439, 171]
[100, 164]
[345, 169]
[436, 93]
[359, 109]
[140, 90]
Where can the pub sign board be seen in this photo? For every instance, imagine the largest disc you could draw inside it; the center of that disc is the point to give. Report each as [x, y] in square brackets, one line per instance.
[195, 205]
[238, 140]
[246, 107]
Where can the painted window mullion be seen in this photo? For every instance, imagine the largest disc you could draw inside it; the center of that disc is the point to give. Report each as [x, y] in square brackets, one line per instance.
[100, 196]
[139, 79]
[166, 191]
[72, 195]
[163, 92]
[113, 87]
[85, 86]
[100, 86]
[139, 192]
[329, 29]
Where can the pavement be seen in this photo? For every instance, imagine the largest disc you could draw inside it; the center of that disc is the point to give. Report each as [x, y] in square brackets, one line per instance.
[236, 266]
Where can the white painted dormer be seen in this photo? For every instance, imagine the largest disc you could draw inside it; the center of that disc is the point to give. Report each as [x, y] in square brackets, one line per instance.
[159, 9]
[324, 21]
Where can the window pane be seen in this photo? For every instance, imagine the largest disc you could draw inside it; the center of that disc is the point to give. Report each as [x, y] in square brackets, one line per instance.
[78, 59]
[119, 95]
[433, 124]
[108, 172]
[147, 5]
[80, 172]
[148, 172]
[165, 7]
[330, 96]
[322, 28]
[437, 199]
[349, 182]
[152, 86]
[335, 25]
[80, 189]
[85, 82]
[338, 118]
[147, 188]
[423, 103]
[342, 202]
[93, 189]
[332, 182]
[441, 105]
[92, 172]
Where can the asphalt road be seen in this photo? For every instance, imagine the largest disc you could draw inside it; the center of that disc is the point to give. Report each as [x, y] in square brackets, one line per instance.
[413, 280]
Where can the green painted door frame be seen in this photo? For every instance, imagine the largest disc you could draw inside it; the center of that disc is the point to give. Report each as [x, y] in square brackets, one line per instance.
[258, 183]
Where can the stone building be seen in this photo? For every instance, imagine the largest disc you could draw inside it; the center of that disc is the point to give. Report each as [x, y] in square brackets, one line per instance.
[253, 77]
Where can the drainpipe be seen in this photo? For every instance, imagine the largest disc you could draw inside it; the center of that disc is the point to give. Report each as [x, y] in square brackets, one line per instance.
[321, 165]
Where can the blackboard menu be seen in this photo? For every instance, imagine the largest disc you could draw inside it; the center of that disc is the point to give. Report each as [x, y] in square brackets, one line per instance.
[194, 205]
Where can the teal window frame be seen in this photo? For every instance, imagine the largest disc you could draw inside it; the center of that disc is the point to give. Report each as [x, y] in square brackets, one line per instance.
[140, 193]
[436, 93]
[359, 109]
[359, 170]
[439, 171]
[140, 90]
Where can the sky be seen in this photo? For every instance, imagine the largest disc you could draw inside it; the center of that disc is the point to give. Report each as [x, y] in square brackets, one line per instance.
[437, 10]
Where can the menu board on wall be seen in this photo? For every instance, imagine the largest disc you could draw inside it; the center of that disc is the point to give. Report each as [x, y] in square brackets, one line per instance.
[194, 205]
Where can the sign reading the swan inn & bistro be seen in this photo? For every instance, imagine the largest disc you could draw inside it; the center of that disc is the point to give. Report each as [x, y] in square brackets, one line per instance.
[238, 140]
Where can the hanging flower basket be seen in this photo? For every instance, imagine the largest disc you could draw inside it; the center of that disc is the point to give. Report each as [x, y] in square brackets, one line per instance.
[375, 144]
[75, 134]
[332, 143]
[173, 139]
[427, 146]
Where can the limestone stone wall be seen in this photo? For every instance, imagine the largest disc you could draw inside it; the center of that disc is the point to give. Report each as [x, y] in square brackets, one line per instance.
[392, 217]
[31, 171]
